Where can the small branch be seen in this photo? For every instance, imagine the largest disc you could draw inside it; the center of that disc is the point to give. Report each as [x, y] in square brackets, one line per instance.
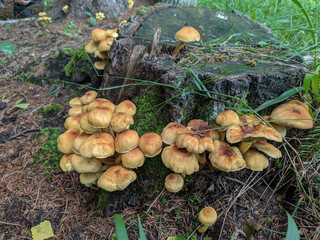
[24, 132]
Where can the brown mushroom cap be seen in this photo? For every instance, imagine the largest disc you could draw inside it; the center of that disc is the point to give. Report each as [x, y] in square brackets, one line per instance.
[73, 122]
[85, 108]
[116, 178]
[105, 44]
[88, 97]
[133, 159]
[75, 110]
[208, 216]
[121, 121]
[78, 141]
[89, 179]
[179, 160]
[100, 65]
[174, 182]
[281, 129]
[228, 118]
[187, 34]
[86, 127]
[100, 54]
[267, 148]
[101, 102]
[91, 47]
[203, 129]
[150, 144]
[170, 132]
[84, 165]
[293, 114]
[75, 102]
[65, 141]
[65, 163]
[126, 106]
[255, 160]
[100, 117]
[98, 145]
[98, 34]
[126, 141]
[194, 143]
[226, 158]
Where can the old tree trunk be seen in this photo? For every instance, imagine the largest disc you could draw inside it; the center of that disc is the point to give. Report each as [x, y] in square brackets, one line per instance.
[239, 60]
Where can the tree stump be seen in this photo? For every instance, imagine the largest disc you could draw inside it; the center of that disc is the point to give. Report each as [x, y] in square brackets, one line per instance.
[239, 59]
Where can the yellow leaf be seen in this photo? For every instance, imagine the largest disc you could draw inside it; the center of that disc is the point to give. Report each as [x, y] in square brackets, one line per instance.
[42, 231]
[171, 238]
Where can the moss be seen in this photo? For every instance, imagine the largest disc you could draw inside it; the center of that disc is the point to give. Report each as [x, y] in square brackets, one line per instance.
[50, 110]
[79, 56]
[143, 10]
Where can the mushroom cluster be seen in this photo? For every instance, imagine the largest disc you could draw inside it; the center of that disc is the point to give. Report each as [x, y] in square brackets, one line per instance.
[43, 19]
[100, 45]
[99, 144]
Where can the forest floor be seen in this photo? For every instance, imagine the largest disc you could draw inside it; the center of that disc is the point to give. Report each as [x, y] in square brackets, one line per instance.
[249, 204]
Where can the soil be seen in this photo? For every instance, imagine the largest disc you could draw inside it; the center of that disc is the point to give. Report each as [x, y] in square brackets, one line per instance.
[249, 204]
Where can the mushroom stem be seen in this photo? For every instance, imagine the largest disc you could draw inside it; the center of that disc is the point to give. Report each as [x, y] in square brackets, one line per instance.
[176, 50]
[203, 229]
[244, 147]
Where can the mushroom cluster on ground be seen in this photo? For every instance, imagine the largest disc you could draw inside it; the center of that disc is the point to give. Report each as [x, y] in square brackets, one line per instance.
[100, 45]
[237, 142]
[99, 144]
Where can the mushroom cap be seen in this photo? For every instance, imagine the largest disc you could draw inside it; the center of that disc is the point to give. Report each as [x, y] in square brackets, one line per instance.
[100, 117]
[89, 178]
[207, 216]
[179, 160]
[121, 121]
[98, 145]
[170, 132]
[65, 163]
[174, 182]
[187, 34]
[75, 102]
[267, 148]
[126, 141]
[65, 141]
[91, 47]
[105, 44]
[101, 102]
[100, 65]
[75, 110]
[86, 127]
[203, 129]
[226, 158]
[255, 160]
[150, 144]
[248, 131]
[84, 165]
[133, 159]
[194, 143]
[72, 122]
[293, 114]
[85, 108]
[126, 106]
[116, 178]
[281, 129]
[88, 97]
[78, 141]
[100, 54]
[98, 34]
[227, 118]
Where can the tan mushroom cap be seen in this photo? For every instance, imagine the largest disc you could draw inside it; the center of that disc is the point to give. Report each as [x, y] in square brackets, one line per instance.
[116, 178]
[75, 110]
[187, 34]
[85, 126]
[65, 141]
[121, 121]
[126, 141]
[89, 179]
[281, 129]
[228, 118]
[150, 144]
[126, 106]
[85, 165]
[98, 145]
[194, 143]
[98, 34]
[100, 65]
[179, 160]
[100, 117]
[174, 182]
[105, 44]
[293, 114]
[255, 160]
[100, 54]
[171, 131]
[75, 102]
[73, 122]
[226, 158]
[133, 159]
[267, 148]
[101, 102]
[88, 97]
[207, 216]
[85, 108]
[91, 47]
[65, 163]
[78, 141]
[203, 129]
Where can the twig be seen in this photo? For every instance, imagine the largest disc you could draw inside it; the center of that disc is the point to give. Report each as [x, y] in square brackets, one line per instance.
[155, 199]
[25, 131]
[13, 224]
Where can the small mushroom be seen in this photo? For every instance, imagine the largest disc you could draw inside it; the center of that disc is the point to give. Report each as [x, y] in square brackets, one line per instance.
[65, 163]
[126, 106]
[100, 117]
[85, 165]
[185, 35]
[98, 34]
[75, 102]
[126, 141]
[207, 216]
[150, 144]
[121, 121]
[255, 160]
[174, 182]
[171, 131]
[133, 159]
[88, 97]
[98, 145]
[100, 65]
[91, 47]
[90, 179]
[65, 141]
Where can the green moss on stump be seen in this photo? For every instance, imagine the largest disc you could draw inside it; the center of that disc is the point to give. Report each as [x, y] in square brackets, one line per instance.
[79, 58]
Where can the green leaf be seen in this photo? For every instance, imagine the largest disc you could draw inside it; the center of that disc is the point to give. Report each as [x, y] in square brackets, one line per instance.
[18, 101]
[207, 238]
[42, 231]
[180, 237]
[292, 232]
[141, 232]
[315, 83]
[22, 105]
[7, 47]
[281, 98]
[306, 84]
[121, 230]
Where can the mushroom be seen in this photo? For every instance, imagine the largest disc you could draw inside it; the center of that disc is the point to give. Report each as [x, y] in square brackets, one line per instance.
[65, 141]
[126, 106]
[227, 118]
[85, 165]
[65, 163]
[88, 97]
[98, 34]
[100, 65]
[105, 44]
[174, 182]
[98, 145]
[133, 159]
[90, 179]
[73, 122]
[116, 178]
[78, 141]
[75, 110]
[100, 54]
[207, 216]
[150, 144]
[121, 121]
[86, 127]
[101, 102]
[255, 160]
[100, 117]
[184, 35]
[91, 47]
[267, 148]
[170, 132]
[75, 102]
[126, 141]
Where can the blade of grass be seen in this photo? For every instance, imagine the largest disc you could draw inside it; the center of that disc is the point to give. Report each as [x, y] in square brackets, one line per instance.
[121, 230]
[141, 232]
